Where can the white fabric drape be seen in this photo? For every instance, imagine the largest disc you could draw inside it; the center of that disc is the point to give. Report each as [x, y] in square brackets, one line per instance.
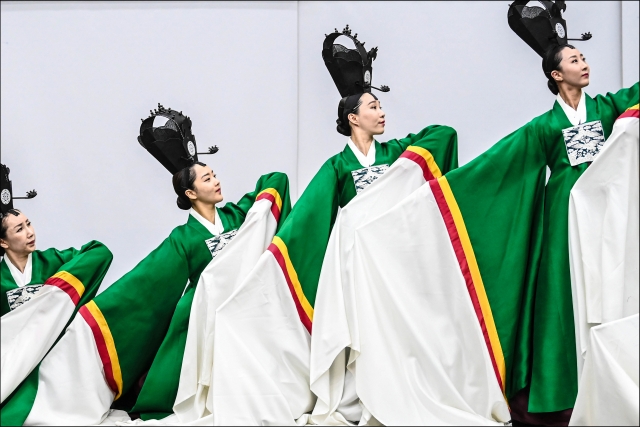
[422, 357]
[335, 326]
[222, 276]
[604, 234]
[604, 247]
[29, 331]
[608, 392]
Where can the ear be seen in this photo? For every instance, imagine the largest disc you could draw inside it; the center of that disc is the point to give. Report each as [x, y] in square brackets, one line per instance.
[557, 75]
[191, 194]
[353, 119]
[4, 244]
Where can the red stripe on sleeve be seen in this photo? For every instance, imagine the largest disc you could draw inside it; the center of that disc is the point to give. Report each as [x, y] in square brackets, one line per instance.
[64, 286]
[464, 267]
[426, 172]
[280, 260]
[102, 347]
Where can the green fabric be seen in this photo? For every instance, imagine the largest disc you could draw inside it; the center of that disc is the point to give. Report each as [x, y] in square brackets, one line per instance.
[519, 233]
[160, 388]
[17, 406]
[138, 307]
[152, 335]
[45, 264]
[89, 265]
[306, 231]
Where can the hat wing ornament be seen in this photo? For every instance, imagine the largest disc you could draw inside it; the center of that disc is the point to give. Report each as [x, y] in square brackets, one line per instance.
[6, 193]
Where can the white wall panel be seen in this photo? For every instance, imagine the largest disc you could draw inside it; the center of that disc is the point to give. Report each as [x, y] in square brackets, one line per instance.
[78, 77]
[630, 36]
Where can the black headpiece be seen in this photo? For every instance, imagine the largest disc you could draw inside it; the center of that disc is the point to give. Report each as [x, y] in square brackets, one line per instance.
[6, 194]
[166, 134]
[350, 68]
[540, 27]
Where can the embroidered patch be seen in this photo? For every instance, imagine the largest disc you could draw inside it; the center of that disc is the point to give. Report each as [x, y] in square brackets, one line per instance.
[584, 142]
[19, 296]
[364, 177]
[217, 243]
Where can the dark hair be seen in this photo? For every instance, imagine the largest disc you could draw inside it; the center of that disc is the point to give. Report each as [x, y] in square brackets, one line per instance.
[348, 104]
[3, 227]
[551, 62]
[182, 181]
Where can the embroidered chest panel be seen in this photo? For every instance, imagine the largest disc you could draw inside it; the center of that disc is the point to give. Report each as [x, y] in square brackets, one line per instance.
[584, 142]
[364, 177]
[19, 296]
[217, 243]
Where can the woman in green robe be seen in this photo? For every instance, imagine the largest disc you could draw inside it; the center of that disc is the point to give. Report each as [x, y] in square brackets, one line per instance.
[570, 136]
[143, 315]
[41, 291]
[157, 396]
[362, 161]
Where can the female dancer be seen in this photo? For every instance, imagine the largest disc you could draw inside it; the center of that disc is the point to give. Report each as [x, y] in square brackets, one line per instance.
[41, 291]
[359, 164]
[572, 134]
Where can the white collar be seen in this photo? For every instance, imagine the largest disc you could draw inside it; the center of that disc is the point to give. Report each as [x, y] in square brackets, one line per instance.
[215, 229]
[367, 160]
[20, 278]
[577, 116]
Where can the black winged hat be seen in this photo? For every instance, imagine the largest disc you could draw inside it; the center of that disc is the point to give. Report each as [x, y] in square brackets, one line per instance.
[540, 27]
[6, 193]
[167, 135]
[350, 68]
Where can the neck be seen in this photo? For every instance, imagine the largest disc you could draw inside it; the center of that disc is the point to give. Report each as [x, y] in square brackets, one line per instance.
[208, 211]
[361, 139]
[18, 260]
[571, 95]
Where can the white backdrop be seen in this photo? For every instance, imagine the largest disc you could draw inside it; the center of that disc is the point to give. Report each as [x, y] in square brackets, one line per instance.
[77, 77]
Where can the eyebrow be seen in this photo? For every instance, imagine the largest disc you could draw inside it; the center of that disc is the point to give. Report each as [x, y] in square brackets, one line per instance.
[204, 175]
[573, 56]
[375, 100]
[19, 225]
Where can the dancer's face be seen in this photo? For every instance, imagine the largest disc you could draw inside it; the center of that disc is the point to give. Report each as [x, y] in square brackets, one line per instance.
[370, 117]
[574, 70]
[207, 187]
[20, 237]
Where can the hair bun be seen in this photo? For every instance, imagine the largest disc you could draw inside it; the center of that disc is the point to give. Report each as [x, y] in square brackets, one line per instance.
[183, 204]
[553, 86]
[342, 129]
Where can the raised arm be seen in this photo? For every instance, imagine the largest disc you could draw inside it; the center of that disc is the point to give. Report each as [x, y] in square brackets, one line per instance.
[622, 99]
[233, 214]
[440, 141]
